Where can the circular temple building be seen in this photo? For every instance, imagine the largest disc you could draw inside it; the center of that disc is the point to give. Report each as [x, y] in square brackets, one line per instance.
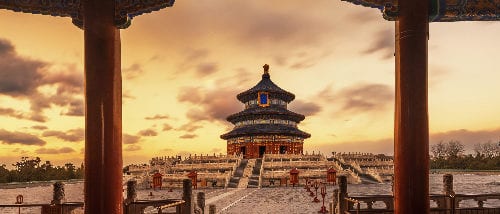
[265, 126]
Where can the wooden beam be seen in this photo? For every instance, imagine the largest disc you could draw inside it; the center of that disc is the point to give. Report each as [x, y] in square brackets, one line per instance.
[411, 125]
[103, 109]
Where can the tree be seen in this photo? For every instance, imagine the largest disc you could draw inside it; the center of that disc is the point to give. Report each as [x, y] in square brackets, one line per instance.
[454, 149]
[439, 150]
[487, 149]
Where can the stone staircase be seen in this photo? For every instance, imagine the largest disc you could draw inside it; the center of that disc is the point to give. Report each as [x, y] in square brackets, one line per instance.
[253, 181]
[365, 178]
[235, 179]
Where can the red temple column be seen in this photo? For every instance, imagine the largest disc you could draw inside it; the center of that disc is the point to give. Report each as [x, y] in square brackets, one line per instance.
[103, 109]
[411, 125]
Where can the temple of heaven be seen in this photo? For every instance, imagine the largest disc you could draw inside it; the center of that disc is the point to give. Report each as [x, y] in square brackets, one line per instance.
[265, 126]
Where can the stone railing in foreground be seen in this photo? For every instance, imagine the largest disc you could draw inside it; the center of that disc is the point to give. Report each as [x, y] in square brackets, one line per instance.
[131, 204]
[447, 203]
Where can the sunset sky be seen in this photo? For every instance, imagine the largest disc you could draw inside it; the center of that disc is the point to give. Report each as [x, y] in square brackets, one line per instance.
[183, 66]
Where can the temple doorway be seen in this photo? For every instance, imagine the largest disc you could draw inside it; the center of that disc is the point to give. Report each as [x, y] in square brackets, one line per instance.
[282, 149]
[243, 150]
[262, 150]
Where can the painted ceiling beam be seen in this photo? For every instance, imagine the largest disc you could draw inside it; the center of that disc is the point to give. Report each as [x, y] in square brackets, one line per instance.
[124, 12]
[442, 10]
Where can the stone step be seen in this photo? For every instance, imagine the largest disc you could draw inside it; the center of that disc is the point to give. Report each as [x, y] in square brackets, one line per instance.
[253, 182]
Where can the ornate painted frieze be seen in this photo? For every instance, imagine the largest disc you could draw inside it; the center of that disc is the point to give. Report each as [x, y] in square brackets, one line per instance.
[125, 10]
[442, 10]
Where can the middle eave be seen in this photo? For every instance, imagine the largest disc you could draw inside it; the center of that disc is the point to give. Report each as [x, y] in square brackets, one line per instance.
[271, 111]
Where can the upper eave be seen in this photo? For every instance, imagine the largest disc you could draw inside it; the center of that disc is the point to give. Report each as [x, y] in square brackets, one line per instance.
[265, 85]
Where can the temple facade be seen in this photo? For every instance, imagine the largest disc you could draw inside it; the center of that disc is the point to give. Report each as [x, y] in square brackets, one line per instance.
[265, 126]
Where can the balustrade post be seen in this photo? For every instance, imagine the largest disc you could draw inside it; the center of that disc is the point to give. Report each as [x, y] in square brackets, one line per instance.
[131, 196]
[448, 191]
[201, 201]
[58, 193]
[187, 196]
[342, 194]
[212, 209]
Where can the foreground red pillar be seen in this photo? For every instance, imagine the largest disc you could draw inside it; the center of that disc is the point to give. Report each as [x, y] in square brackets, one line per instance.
[103, 114]
[411, 134]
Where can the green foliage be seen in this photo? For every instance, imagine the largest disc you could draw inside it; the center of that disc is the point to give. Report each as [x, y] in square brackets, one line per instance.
[450, 156]
[29, 169]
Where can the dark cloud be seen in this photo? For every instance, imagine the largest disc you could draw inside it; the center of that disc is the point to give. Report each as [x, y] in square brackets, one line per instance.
[127, 95]
[72, 135]
[10, 112]
[130, 139]
[327, 94]
[21, 77]
[190, 94]
[205, 69]
[5, 47]
[198, 61]
[468, 137]
[305, 108]
[384, 43]
[75, 108]
[148, 133]
[132, 147]
[213, 104]
[8, 137]
[62, 150]
[133, 71]
[158, 117]
[67, 81]
[188, 136]
[167, 127]
[39, 127]
[365, 97]
[189, 127]
[19, 150]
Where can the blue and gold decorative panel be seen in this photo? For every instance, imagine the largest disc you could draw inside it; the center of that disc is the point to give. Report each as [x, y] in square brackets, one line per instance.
[124, 12]
[442, 10]
[263, 99]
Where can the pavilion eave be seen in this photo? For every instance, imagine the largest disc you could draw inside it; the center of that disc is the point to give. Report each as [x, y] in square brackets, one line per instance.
[441, 10]
[125, 10]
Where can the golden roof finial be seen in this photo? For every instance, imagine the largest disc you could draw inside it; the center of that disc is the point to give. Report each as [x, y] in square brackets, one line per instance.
[266, 69]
